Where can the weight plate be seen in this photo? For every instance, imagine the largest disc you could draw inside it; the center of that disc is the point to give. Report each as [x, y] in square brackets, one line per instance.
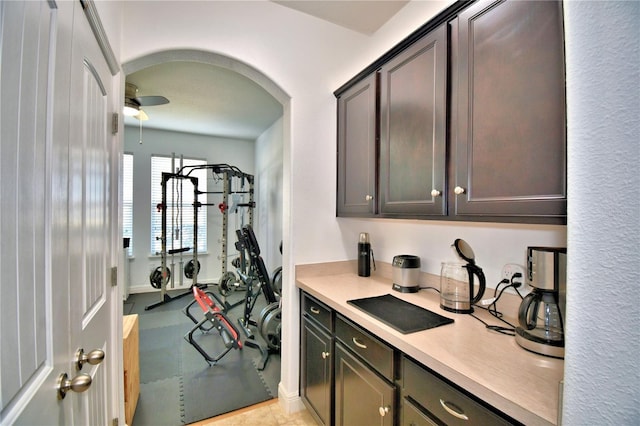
[277, 281]
[265, 312]
[226, 284]
[155, 278]
[271, 328]
[189, 270]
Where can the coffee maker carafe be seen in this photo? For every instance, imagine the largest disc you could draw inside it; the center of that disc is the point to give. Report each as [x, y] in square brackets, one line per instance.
[541, 313]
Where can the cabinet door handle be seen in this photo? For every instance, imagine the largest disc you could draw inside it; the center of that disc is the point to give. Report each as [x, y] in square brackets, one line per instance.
[383, 410]
[453, 412]
[358, 343]
[368, 197]
[458, 190]
[325, 355]
[435, 193]
[315, 310]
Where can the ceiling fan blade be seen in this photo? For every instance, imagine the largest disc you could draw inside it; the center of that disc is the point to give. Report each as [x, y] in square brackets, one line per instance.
[151, 100]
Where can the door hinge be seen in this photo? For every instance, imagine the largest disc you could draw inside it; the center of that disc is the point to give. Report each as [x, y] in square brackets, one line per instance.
[114, 276]
[114, 123]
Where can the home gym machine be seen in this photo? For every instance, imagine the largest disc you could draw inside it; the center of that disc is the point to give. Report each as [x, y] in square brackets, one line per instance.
[229, 282]
[161, 275]
[256, 281]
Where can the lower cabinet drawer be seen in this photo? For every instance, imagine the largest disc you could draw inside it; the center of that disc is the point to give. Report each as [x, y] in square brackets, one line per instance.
[311, 308]
[374, 351]
[442, 400]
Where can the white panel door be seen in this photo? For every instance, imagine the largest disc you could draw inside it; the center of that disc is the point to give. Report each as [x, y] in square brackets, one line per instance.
[34, 320]
[90, 221]
[56, 228]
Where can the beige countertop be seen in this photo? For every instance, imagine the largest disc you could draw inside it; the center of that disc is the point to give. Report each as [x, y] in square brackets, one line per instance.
[487, 364]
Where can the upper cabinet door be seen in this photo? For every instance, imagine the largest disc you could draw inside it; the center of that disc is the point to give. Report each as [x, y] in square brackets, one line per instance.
[357, 137]
[508, 111]
[413, 92]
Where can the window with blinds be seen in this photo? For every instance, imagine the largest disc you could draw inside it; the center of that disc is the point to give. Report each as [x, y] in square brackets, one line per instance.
[127, 201]
[180, 223]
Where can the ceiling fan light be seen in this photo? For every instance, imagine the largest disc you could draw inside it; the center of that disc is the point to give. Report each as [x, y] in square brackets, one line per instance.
[130, 109]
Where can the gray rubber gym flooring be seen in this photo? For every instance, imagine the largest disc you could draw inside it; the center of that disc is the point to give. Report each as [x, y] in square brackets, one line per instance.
[177, 386]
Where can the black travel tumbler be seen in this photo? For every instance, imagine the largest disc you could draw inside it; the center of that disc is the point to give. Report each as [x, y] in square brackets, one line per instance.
[364, 255]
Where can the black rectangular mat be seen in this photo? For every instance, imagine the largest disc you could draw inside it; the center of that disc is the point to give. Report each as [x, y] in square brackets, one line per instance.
[398, 314]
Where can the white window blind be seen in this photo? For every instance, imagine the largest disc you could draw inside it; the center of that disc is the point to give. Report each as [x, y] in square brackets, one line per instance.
[127, 200]
[180, 223]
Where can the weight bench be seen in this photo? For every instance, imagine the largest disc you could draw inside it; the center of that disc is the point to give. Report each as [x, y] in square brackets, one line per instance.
[214, 317]
[256, 281]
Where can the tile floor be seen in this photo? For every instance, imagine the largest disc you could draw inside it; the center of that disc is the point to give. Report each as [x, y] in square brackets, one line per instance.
[268, 413]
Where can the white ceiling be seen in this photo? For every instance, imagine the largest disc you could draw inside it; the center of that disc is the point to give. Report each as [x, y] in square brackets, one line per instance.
[210, 100]
[205, 99]
[362, 16]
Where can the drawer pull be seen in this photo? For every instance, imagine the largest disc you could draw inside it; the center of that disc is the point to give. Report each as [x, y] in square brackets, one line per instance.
[453, 412]
[314, 310]
[358, 343]
[325, 355]
[383, 411]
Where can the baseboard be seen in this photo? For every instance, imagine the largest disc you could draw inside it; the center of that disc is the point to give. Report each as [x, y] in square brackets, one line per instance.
[290, 402]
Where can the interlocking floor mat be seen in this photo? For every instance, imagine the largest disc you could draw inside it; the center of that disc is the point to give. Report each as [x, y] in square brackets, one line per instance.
[176, 383]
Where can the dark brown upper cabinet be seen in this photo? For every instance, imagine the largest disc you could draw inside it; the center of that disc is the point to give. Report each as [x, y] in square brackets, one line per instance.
[413, 102]
[357, 156]
[464, 120]
[508, 134]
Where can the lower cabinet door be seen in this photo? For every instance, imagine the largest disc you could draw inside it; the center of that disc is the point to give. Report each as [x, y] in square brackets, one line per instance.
[362, 397]
[316, 372]
[412, 416]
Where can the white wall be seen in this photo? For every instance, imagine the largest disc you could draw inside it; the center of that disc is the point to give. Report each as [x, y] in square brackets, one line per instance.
[269, 194]
[309, 58]
[309, 67]
[239, 153]
[602, 374]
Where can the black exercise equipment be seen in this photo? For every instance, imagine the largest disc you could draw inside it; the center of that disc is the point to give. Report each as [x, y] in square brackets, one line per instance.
[214, 318]
[257, 280]
[156, 278]
[190, 270]
[164, 297]
[184, 174]
[277, 281]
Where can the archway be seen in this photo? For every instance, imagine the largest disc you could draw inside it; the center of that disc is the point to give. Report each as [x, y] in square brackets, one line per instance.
[289, 349]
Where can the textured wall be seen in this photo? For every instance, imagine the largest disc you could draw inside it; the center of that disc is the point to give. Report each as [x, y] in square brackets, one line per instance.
[601, 369]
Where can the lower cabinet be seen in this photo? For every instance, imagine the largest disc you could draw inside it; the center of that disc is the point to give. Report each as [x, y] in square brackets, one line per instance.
[427, 400]
[411, 415]
[362, 398]
[349, 377]
[316, 359]
[316, 371]
[364, 377]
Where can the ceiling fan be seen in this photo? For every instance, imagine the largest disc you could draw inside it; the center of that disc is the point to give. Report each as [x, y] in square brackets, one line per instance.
[133, 103]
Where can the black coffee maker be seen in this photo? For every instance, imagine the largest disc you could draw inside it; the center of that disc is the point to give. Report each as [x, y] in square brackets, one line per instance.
[541, 313]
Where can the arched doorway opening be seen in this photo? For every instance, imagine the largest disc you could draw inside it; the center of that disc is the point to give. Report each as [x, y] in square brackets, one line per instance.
[289, 349]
